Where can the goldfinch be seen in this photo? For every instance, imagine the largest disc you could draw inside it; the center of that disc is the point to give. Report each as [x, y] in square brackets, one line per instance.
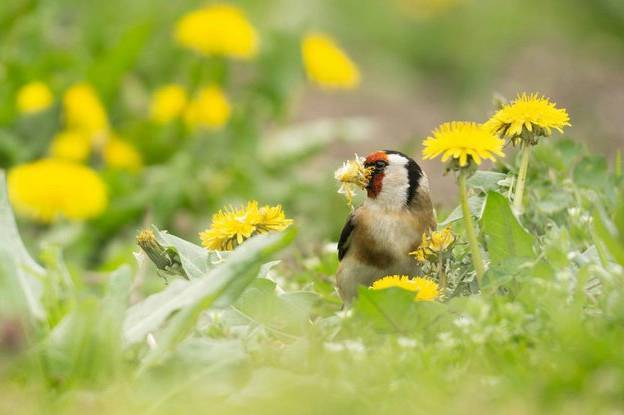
[380, 234]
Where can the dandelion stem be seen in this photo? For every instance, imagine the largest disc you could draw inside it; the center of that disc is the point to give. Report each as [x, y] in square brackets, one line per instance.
[524, 167]
[475, 251]
[441, 274]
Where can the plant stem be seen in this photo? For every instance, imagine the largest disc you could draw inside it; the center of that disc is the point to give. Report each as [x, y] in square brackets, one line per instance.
[524, 167]
[441, 274]
[475, 251]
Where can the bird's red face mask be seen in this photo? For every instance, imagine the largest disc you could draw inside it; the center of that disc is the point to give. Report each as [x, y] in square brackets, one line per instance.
[377, 162]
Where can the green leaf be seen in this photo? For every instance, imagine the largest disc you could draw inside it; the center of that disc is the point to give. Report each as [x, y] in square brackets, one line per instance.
[485, 180]
[109, 68]
[285, 313]
[16, 262]
[506, 239]
[220, 287]
[608, 233]
[394, 309]
[592, 172]
[196, 261]
[476, 207]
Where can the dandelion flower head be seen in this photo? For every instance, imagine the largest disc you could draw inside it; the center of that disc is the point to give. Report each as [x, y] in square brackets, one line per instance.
[49, 189]
[34, 97]
[168, 103]
[230, 227]
[218, 29]
[352, 174]
[532, 112]
[425, 289]
[70, 145]
[327, 65]
[84, 112]
[462, 141]
[210, 109]
[121, 155]
[433, 244]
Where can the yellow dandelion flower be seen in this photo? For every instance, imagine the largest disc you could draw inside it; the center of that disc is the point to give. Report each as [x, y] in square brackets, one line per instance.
[534, 112]
[441, 240]
[327, 65]
[230, 227]
[420, 254]
[34, 97]
[168, 103]
[84, 112]
[70, 145]
[425, 289]
[433, 244]
[121, 155]
[462, 141]
[48, 189]
[352, 174]
[218, 29]
[272, 218]
[209, 109]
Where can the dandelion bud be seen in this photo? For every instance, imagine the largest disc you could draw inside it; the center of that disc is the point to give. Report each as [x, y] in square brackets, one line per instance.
[165, 259]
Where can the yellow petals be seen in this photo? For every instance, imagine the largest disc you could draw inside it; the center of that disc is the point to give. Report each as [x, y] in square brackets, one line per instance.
[84, 112]
[440, 240]
[34, 97]
[433, 244]
[210, 109]
[425, 289]
[272, 218]
[534, 112]
[352, 174]
[232, 226]
[121, 155]
[327, 65]
[168, 103]
[70, 145]
[218, 29]
[48, 189]
[464, 142]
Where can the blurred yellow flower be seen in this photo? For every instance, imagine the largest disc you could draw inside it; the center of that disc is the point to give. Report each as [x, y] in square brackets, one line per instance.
[232, 226]
[434, 243]
[462, 141]
[121, 155]
[85, 112]
[168, 103]
[425, 289]
[209, 109]
[533, 112]
[34, 97]
[327, 65]
[70, 145]
[48, 189]
[218, 29]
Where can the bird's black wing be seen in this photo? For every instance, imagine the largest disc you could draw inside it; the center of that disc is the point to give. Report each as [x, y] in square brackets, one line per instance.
[345, 237]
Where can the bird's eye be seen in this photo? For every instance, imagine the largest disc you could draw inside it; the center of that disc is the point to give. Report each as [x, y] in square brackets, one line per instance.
[380, 164]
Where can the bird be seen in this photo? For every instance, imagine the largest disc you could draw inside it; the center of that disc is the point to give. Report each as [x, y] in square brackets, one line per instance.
[379, 235]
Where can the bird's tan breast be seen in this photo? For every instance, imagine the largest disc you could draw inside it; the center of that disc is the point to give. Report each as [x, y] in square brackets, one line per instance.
[383, 239]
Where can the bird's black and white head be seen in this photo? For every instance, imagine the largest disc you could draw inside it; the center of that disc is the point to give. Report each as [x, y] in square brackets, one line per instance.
[395, 181]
